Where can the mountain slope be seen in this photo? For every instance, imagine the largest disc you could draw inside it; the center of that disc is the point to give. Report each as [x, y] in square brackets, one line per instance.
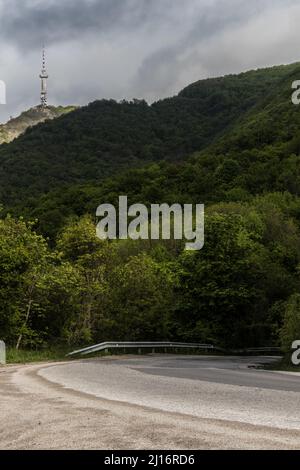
[17, 126]
[104, 138]
[232, 143]
[255, 153]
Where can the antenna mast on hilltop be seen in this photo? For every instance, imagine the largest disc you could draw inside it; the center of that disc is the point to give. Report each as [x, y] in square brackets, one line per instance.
[44, 76]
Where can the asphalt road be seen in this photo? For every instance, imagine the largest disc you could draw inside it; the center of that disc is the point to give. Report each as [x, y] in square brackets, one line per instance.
[152, 402]
[207, 387]
[240, 371]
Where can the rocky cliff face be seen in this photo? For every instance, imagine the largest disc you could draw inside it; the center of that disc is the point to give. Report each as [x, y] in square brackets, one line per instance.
[17, 126]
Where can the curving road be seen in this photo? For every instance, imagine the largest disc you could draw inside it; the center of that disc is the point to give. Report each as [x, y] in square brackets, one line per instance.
[150, 402]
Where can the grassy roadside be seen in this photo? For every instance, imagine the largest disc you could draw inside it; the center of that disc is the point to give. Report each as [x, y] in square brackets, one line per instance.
[24, 356]
[58, 353]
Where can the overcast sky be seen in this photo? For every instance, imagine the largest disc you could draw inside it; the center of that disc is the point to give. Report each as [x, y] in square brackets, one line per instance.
[137, 48]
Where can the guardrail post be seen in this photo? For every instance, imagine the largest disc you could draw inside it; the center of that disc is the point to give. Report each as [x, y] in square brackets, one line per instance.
[2, 353]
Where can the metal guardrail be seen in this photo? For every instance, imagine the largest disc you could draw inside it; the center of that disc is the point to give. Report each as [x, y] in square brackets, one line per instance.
[142, 345]
[264, 349]
[166, 345]
[271, 349]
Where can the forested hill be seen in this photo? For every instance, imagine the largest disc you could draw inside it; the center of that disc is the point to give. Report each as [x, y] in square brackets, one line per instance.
[232, 143]
[99, 140]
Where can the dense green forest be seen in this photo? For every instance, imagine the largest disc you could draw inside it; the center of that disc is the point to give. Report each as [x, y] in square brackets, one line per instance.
[102, 139]
[232, 143]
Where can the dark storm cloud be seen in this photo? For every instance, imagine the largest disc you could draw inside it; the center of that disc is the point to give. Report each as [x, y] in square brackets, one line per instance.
[28, 22]
[217, 18]
[137, 48]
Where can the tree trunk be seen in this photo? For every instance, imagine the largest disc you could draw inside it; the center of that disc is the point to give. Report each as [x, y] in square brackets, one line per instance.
[24, 324]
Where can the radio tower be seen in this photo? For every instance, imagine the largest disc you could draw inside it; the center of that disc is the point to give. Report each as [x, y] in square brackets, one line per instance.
[44, 76]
